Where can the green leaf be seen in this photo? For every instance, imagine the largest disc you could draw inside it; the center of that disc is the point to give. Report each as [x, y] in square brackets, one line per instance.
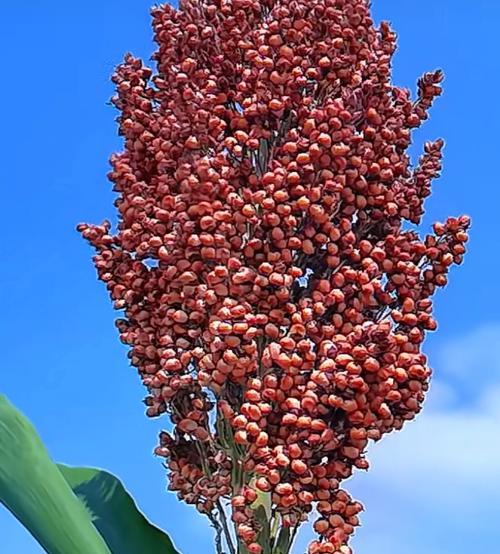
[34, 490]
[115, 514]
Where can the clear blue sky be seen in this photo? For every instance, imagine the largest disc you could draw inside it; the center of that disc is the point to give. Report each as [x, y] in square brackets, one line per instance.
[435, 488]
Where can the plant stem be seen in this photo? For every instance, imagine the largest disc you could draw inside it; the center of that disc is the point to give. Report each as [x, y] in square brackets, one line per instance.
[225, 526]
[293, 537]
[218, 534]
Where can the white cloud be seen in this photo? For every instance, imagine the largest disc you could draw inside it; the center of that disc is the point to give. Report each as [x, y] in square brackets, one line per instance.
[435, 486]
[456, 436]
[441, 449]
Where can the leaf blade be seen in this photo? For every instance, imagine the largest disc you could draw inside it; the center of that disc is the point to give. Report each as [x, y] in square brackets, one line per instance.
[115, 513]
[35, 492]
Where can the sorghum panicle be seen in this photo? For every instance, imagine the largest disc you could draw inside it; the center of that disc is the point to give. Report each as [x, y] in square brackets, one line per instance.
[275, 297]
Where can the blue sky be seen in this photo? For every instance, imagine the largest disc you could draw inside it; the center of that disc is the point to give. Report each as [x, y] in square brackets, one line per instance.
[434, 488]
